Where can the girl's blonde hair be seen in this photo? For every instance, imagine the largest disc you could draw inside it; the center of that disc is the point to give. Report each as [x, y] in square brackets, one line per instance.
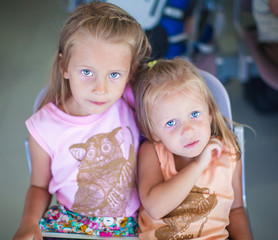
[166, 77]
[100, 21]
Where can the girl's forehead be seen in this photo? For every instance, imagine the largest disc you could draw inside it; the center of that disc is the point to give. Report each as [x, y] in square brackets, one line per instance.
[90, 36]
[83, 38]
[178, 97]
[187, 93]
[190, 89]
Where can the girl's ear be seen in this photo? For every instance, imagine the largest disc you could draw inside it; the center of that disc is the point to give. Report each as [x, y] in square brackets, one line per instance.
[62, 70]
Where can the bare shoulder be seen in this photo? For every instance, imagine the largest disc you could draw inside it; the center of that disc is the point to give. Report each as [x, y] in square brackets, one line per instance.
[147, 153]
[148, 162]
[149, 171]
[146, 147]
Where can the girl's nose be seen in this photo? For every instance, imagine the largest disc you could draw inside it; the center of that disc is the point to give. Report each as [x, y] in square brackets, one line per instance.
[99, 87]
[187, 128]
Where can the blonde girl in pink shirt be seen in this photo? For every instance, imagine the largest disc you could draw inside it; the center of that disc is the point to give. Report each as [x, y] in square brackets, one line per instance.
[83, 138]
[189, 171]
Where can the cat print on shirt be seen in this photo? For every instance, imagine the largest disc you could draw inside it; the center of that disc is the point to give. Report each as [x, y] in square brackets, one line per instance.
[105, 178]
[194, 208]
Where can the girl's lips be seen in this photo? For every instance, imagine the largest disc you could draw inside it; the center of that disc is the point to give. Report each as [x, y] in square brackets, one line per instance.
[97, 103]
[190, 145]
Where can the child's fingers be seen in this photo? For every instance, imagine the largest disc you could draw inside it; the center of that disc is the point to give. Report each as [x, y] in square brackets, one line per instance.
[215, 145]
[224, 147]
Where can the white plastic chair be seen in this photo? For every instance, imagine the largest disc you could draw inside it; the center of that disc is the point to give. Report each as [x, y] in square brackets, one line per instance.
[223, 101]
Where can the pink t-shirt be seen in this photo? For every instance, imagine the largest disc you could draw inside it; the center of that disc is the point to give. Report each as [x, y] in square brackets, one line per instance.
[204, 214]
[93, 158]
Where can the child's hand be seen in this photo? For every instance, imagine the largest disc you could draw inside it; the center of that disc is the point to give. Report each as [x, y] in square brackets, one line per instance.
[213, 149]
[25, 232]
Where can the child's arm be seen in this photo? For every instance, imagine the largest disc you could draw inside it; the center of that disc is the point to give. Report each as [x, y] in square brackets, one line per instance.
[160, 197]
[37, 198]
[239, 227]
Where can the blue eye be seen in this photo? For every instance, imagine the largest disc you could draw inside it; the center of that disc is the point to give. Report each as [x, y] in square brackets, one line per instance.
[86, 72]
[171, 123]
[114, 75]
[195, 114]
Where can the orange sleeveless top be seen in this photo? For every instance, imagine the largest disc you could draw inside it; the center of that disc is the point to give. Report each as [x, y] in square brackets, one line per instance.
[204, 214]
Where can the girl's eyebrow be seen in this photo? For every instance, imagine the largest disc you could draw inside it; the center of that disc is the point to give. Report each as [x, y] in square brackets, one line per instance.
[80, 65]
[118, 70]
[83, 66]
